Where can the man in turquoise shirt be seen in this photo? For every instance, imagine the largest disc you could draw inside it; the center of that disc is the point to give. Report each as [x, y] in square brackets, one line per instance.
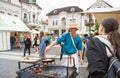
[71, 48]
[68, 47]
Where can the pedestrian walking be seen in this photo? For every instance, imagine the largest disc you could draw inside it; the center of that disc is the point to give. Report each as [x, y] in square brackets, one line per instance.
[12, 41]
[36, 43]
[42, 45]
[21, 41]
[27, 42]
[98, 54]
[71, 47]
[48, 39]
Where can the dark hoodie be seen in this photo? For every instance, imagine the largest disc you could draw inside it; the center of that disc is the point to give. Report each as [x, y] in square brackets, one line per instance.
[98, 60]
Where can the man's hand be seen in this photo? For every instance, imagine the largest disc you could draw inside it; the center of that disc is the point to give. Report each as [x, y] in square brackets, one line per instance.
[47, 48]
[81, 61]
[50, 46]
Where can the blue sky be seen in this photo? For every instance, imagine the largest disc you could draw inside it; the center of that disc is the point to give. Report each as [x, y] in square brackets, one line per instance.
[49, 5]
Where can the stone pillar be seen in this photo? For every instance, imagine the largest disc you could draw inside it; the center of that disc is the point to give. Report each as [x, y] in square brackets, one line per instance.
[1, 41]
[60, 32]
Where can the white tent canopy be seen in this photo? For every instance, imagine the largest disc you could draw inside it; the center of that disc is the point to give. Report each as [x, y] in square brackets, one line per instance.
[11, 23]
[34, 31]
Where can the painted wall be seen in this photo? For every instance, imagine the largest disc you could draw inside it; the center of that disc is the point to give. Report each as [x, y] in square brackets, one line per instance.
[4, 41]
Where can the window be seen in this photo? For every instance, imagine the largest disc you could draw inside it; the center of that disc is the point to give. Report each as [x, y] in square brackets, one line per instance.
[85, 21]
[72, 9]
[2, 12]
[72, 20]
[34, 18]
[9, 0]
[63, 31]
[90, 18]
[56, 22]
[32, 1]
[44, 27]
[25, 16]
[15, 15]
[63, 21]
[9, 14]
[55, 11]
[53, 23]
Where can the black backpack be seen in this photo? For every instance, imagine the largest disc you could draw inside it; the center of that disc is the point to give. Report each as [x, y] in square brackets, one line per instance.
[27, 42]
[47, 42]
[114, 66]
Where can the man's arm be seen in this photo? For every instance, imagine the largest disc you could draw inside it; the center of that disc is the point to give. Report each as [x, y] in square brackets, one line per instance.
[80, 54]
[50, 46]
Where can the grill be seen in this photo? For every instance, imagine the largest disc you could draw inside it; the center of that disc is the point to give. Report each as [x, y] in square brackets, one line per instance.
[37, 71]
[43, 69]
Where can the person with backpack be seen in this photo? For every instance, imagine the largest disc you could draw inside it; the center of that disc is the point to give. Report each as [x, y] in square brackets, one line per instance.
[27, 42]
[42, 45]
[71, 47]
[98, 54]
[48, 41]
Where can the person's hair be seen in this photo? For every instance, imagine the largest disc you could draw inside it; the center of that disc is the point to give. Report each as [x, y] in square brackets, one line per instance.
[111, 26]
[41, 33]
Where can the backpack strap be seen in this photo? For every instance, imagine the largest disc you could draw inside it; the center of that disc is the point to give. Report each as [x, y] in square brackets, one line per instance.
[114, 59]
[73, 42]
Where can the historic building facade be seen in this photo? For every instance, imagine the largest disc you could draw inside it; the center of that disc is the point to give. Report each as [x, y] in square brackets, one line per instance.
[59, 19]
[11, 13]
[88, 17]
[27, 10]
[30, 12]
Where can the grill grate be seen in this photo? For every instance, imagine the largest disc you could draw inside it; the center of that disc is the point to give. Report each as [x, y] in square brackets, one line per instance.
[37, 71]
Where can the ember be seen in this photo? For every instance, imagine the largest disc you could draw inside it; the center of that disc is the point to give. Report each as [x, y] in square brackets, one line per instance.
[41, 70]
[46, 72]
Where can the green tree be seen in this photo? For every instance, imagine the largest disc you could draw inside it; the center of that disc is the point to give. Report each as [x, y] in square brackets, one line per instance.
[96, 25]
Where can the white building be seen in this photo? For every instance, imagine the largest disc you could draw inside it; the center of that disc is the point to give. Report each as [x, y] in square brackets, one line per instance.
[59, 19]
[30, 12]
[10, 23]
[10, 7]
[90, 17]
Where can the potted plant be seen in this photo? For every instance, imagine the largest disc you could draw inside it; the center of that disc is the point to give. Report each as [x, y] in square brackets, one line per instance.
[89, 24]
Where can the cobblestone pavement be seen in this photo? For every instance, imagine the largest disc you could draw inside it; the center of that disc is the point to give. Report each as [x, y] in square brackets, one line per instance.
[9, 62]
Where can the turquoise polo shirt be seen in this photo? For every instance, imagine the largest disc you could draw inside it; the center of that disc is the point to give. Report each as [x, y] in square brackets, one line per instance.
[68, 47]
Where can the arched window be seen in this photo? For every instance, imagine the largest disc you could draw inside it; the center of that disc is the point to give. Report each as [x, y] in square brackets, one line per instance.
[55, 11]
[63, 21]
[72, 9]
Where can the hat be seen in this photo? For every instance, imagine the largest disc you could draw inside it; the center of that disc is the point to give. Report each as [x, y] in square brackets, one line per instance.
[73, 25]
